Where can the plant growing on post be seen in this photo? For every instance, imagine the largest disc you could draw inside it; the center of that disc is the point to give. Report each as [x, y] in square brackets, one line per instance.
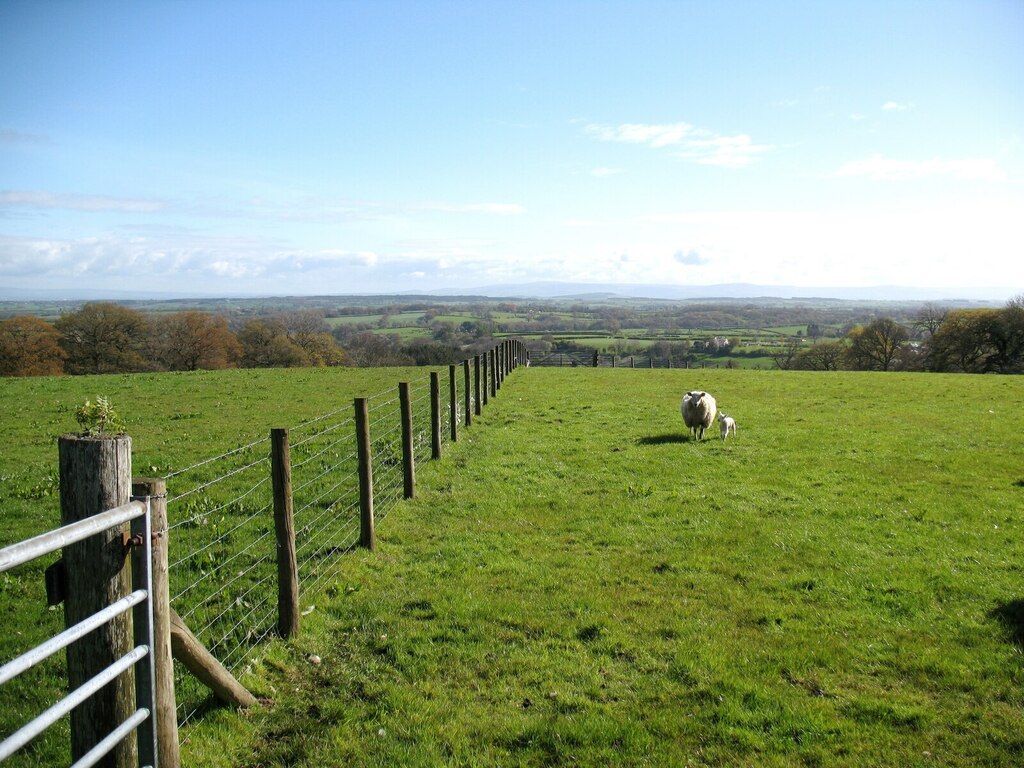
[99, 418]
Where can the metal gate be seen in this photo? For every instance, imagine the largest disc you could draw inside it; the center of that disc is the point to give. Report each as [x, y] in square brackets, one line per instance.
[139, 602]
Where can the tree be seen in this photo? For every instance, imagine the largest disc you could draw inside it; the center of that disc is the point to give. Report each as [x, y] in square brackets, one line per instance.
[30, 346]
[929, 318]
[824, 356]
[875, 346]
[377, 350]
[187, 341]
[959, 345]
[785, 355]
[104, 338]
[312, 335]
[265, 344]
[322, 350]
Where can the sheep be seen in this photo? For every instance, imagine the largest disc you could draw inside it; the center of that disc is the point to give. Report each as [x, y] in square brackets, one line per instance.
[698, 409]
[726, 423]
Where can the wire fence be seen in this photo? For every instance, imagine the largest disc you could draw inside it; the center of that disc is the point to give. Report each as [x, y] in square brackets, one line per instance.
[596, 360]
[223, 561]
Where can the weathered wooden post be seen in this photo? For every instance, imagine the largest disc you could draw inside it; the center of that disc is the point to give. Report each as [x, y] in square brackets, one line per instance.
[435, 415]
[484, 375]
[453, 405]
[96, 475]
[467, 386]
[367, 536]
[284, 527]
[200, 662]
[499, 367]
[632, 362]
[478, 407]
[613, 361]
[166, 706]
[408, 454]
[494, 373]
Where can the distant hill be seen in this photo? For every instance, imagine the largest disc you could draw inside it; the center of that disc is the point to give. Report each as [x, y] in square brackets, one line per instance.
[567, 290]
[592, 291]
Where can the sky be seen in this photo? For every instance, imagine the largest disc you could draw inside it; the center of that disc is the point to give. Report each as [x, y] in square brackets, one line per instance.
[312, 148]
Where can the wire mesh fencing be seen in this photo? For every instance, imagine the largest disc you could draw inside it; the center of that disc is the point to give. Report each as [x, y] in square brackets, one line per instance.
[223, 561]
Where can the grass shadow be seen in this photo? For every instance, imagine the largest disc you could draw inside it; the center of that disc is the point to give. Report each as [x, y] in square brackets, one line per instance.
[663, 439]
[1011, 616]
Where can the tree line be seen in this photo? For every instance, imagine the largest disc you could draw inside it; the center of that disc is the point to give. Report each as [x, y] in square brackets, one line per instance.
[937, 339]
[105, 337]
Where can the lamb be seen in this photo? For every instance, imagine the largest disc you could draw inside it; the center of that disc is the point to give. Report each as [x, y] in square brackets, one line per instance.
[698, 412]
[726, 423]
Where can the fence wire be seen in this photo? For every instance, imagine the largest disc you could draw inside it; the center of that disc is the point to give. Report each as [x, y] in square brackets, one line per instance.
[223, 569]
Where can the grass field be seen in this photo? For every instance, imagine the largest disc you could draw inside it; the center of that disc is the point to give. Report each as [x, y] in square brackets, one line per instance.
[577, 582]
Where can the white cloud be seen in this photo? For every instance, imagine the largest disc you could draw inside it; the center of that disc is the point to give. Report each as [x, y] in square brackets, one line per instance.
[725, 151]
[691, 257]
[974, 243]
[640, 133]
[893, 106]
[879, 168]
[187, 258]
[601, 172]
[857, 116]
[697, 145]
[96, 203]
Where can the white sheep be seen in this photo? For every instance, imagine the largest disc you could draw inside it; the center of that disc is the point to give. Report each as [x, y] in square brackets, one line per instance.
[698, 409]
[726, 423]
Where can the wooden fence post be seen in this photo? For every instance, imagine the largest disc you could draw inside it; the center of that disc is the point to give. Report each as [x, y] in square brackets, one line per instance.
[484, 375]
[166, 706]
[367, 536]
[200, 662]
[453, 405]
[494, 373]
[408, 454]
[478, 407]
[467, 386]
[284, 527]
[96, 475]
[435, 415]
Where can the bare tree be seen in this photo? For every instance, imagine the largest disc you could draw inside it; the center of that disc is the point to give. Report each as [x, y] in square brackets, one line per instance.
[785, 355]
[929, 318]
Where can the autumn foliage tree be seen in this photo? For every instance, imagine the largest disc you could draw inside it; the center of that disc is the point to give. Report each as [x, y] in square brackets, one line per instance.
[30, 346]
[103, 337]
[189, 341]
[265, 344]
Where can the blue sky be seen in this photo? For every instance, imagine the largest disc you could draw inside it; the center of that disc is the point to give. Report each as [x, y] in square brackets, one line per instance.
[342, 147]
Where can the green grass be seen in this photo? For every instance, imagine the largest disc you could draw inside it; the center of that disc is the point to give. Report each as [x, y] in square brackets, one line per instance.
[175, 420]
[578, 583]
